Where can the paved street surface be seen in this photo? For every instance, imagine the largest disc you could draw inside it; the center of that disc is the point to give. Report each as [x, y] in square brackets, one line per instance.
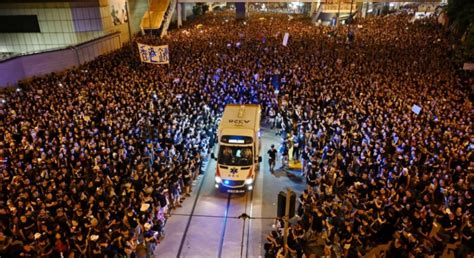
[208, 225]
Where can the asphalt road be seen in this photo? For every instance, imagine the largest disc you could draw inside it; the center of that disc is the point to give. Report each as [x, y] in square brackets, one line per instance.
[208, 225]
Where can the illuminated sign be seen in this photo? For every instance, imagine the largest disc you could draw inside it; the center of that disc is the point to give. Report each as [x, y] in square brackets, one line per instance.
[235, 139]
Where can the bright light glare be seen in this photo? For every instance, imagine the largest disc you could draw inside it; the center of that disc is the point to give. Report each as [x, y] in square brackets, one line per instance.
[218, 179]
[249, 181]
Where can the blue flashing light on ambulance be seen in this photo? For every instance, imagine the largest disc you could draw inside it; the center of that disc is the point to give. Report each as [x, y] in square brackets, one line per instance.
[239, 148]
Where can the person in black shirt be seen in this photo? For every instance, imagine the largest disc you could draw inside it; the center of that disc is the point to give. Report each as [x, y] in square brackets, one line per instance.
[304, 160]
[467, 239]
[28, 251]
[272, 154]
[103, 128]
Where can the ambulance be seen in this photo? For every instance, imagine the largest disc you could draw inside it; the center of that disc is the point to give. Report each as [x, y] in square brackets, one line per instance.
[239, 148]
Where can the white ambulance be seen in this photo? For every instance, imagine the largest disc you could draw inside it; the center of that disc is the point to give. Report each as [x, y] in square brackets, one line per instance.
[239, 148]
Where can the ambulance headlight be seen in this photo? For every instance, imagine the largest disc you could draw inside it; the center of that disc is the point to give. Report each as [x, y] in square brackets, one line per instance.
[249, 181]
[218, 179]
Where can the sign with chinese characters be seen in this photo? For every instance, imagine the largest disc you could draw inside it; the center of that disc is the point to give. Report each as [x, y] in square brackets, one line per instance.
[154, 54]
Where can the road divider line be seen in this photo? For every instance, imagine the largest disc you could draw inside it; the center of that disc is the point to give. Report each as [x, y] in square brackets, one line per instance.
[201, 184]
[221, 242]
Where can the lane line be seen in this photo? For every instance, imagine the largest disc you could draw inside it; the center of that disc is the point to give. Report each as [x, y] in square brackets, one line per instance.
[201, 184]
[243, 227]
[250, 221]
[221, 242]
[261, 178]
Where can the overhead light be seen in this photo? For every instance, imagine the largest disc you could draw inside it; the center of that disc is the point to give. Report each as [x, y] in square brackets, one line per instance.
[18, 89]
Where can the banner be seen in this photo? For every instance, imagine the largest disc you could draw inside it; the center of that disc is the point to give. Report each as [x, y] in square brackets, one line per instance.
[285, 39]
[154, 54]
[118, 11]
[468, 66]
[416, 109]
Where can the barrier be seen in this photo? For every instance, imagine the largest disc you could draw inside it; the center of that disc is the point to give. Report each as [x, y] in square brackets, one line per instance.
[17, 68]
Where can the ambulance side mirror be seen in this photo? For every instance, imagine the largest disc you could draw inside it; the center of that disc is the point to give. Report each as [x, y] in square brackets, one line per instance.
[259, 159]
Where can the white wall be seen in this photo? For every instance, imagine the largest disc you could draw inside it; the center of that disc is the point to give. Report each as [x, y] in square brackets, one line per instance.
[23, 67]
[56, 25]
[61, 25]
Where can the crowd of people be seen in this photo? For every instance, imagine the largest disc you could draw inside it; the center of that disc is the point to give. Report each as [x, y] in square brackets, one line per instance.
[95, 157]
[378, 172]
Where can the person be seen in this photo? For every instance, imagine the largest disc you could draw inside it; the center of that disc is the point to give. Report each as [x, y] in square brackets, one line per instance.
[273, 245]
[271, 117]
[296, 146]
[272, 155]
[284, 153]
[382, 175]
[278, 124]
[305, 154]
[247, 155]
[94, 139]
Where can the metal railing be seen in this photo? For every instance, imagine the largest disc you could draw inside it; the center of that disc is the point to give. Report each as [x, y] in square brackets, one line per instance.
[11, 55]
[38, 63]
